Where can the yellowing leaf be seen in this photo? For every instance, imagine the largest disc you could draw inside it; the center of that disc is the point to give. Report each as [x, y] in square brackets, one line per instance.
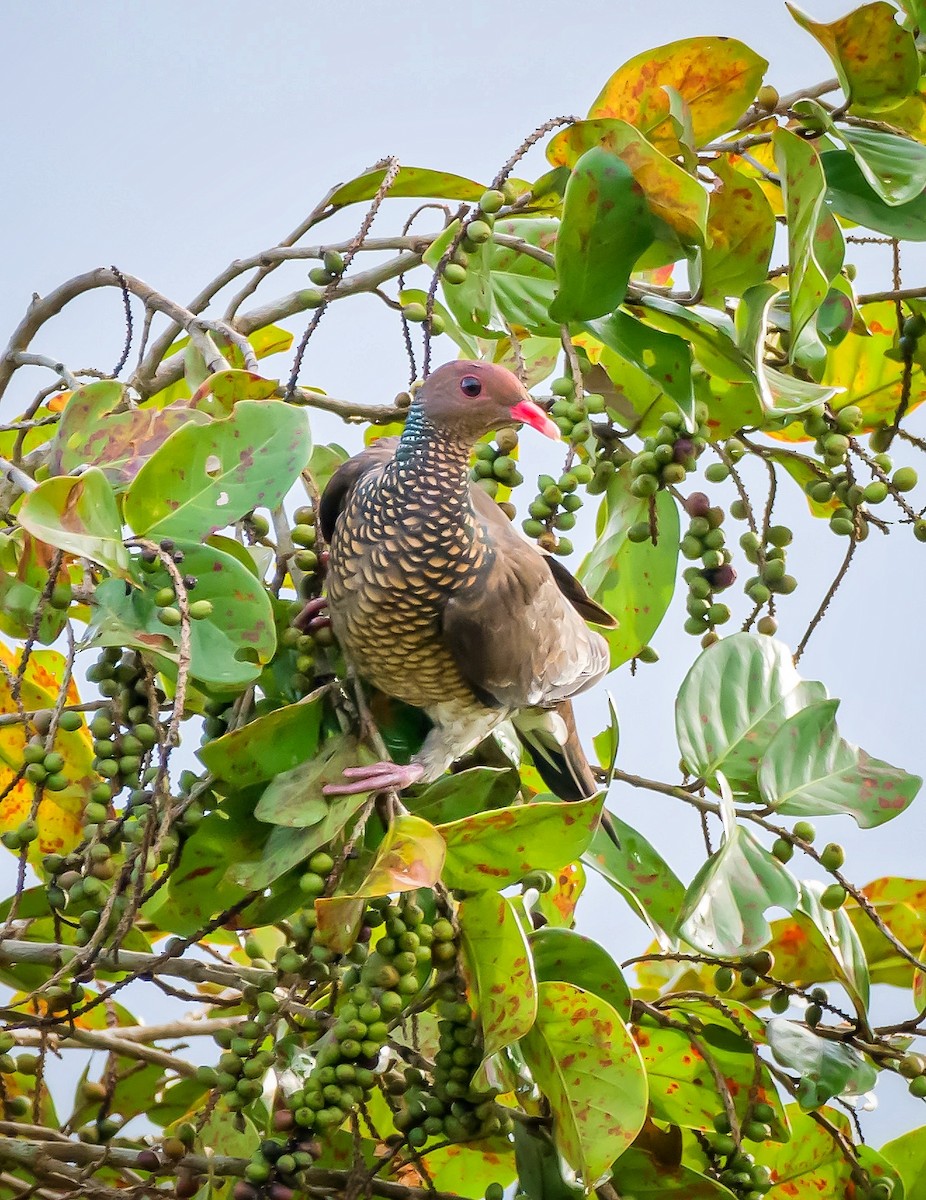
[671, 193]
[716, 77]
[59, 813]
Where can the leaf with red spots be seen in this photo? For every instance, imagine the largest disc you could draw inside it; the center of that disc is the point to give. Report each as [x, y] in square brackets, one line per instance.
[219, 394]
[606, 226]
[641, 875]
[266, 747]
[724, 909]
[465, 793]
[824, 1068]
[492, 850]
[734, 699]
[205, 477]
[812, 1166]
[809, 770]
[634, 581]
[499, 970]
[91, 433]
[715, 77]
[874, 56]
[562, 954]
[682, 1085]
[228, 648]
[672, 194]
[557, 906]
[741, 236]
[467, 1169]
[79, 516]
[583, 1059]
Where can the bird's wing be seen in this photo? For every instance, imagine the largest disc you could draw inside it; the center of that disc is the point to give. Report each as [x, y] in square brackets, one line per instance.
[516, 632]
[345, 479]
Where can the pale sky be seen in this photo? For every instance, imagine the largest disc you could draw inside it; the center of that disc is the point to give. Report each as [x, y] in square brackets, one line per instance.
[171, 138]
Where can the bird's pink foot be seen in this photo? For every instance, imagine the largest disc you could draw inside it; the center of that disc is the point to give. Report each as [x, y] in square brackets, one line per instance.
[311, 619]
[377, 777]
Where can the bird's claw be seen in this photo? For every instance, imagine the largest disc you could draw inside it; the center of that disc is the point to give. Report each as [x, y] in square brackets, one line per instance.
[310, 620]
[377, 777]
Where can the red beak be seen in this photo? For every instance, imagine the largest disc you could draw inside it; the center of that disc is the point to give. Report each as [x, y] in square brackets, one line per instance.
[532, 414]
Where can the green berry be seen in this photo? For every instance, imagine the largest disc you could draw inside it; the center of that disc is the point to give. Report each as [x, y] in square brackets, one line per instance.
[169, 616]
[804, 831]
[201, 609]
[164, 597]
[724, 979]
[833, 897]
[904, 479]
[833, 856]
[917, 1087]
[783, 850]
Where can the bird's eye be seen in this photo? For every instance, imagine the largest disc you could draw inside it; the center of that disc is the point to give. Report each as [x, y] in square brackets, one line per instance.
[470, 385]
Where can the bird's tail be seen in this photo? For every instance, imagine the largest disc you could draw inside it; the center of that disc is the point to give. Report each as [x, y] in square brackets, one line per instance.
[553, 741]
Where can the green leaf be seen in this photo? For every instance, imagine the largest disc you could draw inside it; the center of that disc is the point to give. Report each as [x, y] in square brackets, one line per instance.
[634, 581]
[724, 909]
[875, 57]
[468, 1167]
[665, 357]
[287, 847]
[716, 77]
[840, 943]
[523, 287]
[712, 335]
[825, 1068]
[540, 1170]
[740, 236]
[410, 181]
[894, 166]
[492, 850]
[583, 1059]
[198, 888]
[636, 1174]
[803, 185]
[500, 973]
[294, 797]
[606, 226]
[465, 793]
[812, 1165]
[809, 770]
[908, 1154]
[266, 747]
[227, 649]
[469, 302]
[323, 462]
[79, 516]
[851, 196]
[205, 477]
[673, 195]
[734, 699]
[567, 956]
[683, 1088]
[641, 875]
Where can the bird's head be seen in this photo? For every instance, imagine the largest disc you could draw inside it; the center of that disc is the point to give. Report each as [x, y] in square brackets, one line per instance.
[468, 399]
